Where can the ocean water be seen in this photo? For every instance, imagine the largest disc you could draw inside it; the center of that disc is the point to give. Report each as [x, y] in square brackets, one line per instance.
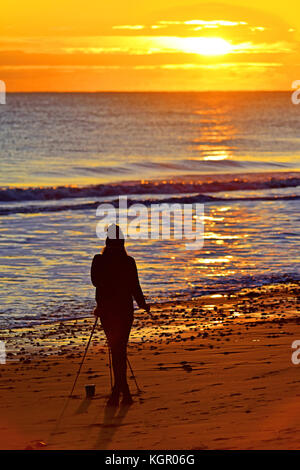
[63, 154]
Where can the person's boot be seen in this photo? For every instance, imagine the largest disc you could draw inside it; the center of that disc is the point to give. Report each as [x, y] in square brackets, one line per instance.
[127, 398]
[114, 397]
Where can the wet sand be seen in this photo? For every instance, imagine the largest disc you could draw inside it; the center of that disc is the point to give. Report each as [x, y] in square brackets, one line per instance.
[216, 373]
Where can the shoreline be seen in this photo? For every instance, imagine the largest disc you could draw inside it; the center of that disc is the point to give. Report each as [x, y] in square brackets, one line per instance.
[232, 382]
[206, 178]
[53, 330]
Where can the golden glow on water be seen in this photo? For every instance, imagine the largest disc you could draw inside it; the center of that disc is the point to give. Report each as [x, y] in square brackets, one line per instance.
[226, 259]
[213, 219]
[213, 235]
[215, 135]
[221, 273]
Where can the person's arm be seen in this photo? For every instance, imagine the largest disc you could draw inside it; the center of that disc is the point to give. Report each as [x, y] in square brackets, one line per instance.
[95, 279]
[137, 290]
[95, 271]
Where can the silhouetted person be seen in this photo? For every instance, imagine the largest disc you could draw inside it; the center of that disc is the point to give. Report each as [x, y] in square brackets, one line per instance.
[114, 274]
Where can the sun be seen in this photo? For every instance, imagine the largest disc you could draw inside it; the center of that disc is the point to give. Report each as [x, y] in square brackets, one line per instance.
[206, 46]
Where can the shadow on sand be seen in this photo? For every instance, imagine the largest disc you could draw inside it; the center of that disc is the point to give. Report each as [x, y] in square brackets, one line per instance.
[83, 407]
[112, 420]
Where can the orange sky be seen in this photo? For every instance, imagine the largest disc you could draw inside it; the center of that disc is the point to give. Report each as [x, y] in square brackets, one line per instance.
[69, 45]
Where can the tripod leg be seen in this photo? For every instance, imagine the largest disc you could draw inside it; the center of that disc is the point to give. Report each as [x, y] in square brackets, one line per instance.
[76, 378]
[110, 372]
[132, 373]
[85, 352]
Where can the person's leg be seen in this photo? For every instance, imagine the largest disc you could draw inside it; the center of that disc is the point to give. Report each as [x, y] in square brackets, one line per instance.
[123, 354]
[110, 333]
[119, 342]
[118, 350]
[117, 334]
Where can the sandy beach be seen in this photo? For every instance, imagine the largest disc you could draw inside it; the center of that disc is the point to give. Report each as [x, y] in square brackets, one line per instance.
[216, 373]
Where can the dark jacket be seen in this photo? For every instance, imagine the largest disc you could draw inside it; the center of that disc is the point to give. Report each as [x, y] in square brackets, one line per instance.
[117, 283]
